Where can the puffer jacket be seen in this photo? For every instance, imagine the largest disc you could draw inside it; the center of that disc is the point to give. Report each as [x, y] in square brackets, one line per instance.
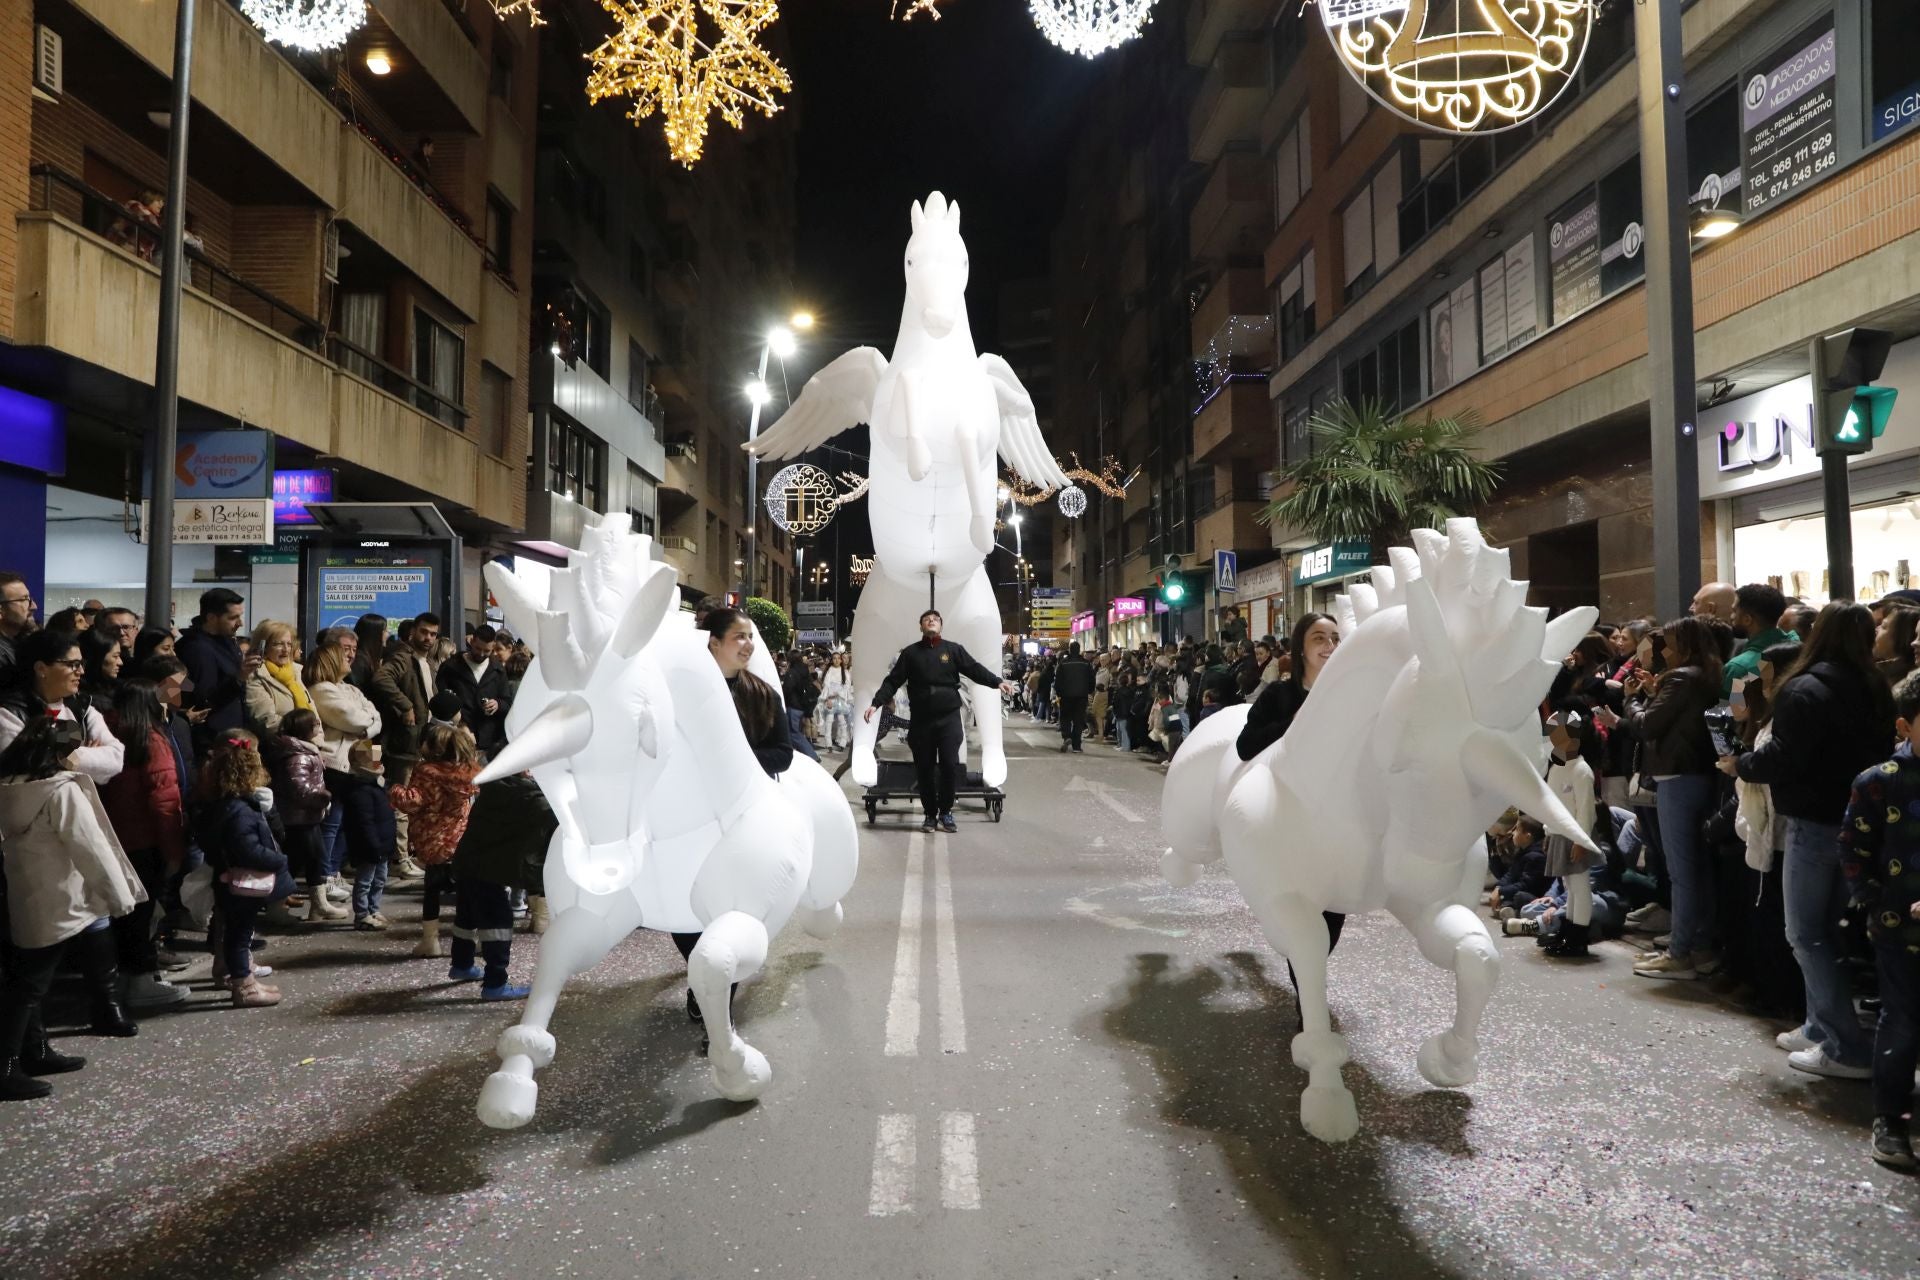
[299, 772]
[234, 833]
[366, 818]
[65, 867]
[508, 831]
[435, 798]
[145, 804]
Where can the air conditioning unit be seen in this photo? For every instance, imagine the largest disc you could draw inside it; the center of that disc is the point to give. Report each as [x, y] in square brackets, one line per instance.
[48, 80]
[330, 253]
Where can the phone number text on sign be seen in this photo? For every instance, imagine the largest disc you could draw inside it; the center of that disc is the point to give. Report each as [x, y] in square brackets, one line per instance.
[1788, 118]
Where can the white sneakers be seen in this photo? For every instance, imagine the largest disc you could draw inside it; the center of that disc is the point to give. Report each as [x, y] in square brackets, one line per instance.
[1795, 1041]
[151, 991]
[1652, 918]
[1815, 1062]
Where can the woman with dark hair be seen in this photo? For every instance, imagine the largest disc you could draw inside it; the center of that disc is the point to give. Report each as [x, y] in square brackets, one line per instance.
[104, 657]
[1893, 642]
[150, 641]
[1582, 681]
[762, 719]
[66, 877]
[372, 633]
[45, 683]
[1667, 712]
[1832, 720]
[148, 812]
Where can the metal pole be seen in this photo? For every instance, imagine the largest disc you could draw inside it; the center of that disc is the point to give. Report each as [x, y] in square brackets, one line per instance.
[1672, 400]
[753, 486]
[163, 427]
[1839, 522]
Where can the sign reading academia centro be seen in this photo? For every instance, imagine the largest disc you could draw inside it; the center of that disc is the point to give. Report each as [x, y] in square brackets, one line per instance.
[1458, 67]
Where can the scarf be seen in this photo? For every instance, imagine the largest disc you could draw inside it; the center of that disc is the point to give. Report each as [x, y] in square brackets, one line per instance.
[289, 677]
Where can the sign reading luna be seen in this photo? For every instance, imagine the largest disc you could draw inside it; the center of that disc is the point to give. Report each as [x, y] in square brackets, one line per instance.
[1466, 66]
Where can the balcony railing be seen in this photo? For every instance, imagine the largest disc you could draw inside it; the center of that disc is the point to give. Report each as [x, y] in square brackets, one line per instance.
[138, 232]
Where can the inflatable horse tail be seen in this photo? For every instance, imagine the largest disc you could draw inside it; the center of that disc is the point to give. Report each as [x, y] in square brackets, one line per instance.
[1189, 810]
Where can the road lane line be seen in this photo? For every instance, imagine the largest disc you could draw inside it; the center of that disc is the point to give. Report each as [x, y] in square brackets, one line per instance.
[1103, 792]
[903, 1008]
[953, 1017]
[959, 1161]
[893, 1165]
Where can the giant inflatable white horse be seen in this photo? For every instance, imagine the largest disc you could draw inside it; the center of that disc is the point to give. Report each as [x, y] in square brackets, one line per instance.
[937, 414]
[1421, 729]
[666, 819]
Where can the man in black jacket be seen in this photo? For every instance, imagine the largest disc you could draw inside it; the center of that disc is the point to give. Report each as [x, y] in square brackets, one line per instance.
[480, 683]
[931, 670]
[1073, 685]
[216, 667]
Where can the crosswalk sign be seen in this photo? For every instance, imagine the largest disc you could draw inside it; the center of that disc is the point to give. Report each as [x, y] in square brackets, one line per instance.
[1226, 567]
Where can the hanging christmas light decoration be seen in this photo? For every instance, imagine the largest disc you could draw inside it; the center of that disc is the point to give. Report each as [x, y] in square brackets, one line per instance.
[1090, 27]
[508, 8]
[1073, 502]
[801, 499]
[1109, 480]
[914, 8]
[688, 59]
[311, 25]
[1485, 74]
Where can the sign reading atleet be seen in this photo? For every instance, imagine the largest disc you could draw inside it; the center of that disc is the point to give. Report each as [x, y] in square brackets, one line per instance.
[1331, 560]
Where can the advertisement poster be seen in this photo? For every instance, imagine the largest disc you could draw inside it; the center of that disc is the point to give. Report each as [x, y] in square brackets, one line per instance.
[1788, 120]
[1466, 332]
[1573, 256]
[394, 586]
[1440, 344]
[1493, 310]
[293, 490]
[1523, 311]
[238, 522]
[223, 464]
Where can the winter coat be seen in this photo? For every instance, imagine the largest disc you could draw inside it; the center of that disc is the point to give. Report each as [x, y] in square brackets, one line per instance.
[398, 689]
[100, 759]
[299, 780]
[366, 818]
[800, 690]
[213, 665]
[146, 805]
[1880, 849]
[1270, 716]
[1830, 723]
[1527, 877]
[235, 835]
[456, 676]
[931, 673]
[1073, 678]
[65, 868]
[435, 798]
[346, 716]
[1672, 725]
[508, 830]
[268, 702]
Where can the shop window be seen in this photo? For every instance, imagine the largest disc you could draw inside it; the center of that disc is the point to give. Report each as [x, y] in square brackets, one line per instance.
[637, 377]
[439, 366]
[1293, 168]
[1296, 434]
[1623, 260]
[1893, 75]
[1295, 307]
[576, 463]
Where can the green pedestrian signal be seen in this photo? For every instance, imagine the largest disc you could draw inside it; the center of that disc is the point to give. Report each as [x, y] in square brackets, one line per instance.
[1849, 413]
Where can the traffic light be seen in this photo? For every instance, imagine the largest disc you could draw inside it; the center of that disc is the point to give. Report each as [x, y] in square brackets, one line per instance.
[1848, 412]
[1173, 587]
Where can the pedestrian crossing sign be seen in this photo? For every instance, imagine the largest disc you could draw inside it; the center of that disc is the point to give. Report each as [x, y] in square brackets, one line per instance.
[1226, 568]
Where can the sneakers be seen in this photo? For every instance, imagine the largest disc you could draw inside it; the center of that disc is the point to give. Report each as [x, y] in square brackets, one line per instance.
[1892, 1146]
[505, 993]
[151, 991]
[1664, 941]
[371, 922]
[472, 973]
[1796, 1040]
[947, 824]
[1505, 913]
[1667, 965]
[339, 891]
[405, 868]
[1518, 928]
[1815, 1062]
[931, 824]
[250, 993]
[1652, 918]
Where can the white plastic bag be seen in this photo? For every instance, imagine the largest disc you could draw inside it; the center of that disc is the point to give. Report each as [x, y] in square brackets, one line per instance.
[196, 895]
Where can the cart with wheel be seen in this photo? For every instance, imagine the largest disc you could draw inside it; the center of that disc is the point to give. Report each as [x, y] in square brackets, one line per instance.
[899, 783]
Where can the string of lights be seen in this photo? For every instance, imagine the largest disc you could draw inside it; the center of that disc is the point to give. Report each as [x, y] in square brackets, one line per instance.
[1090, 27]
[311, 25]
[508, 8]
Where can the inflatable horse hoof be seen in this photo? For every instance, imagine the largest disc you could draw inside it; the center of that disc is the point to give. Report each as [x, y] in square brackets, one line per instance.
[746, 1081]
[1328, 1113]
[507, 1100]
[1445, 1061]
[823, 923]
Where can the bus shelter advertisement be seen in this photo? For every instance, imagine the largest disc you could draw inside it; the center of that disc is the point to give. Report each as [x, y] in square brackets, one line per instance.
[394, 584]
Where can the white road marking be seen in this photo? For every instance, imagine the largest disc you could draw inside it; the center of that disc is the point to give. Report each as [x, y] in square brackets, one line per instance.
[893, 1166]
[1103, 792]
[903, 1008]
[959, 1162]
[953, 1017]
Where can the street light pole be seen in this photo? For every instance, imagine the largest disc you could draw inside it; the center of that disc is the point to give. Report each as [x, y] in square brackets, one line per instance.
[163, 431]
[759, 398]
[1672, 399]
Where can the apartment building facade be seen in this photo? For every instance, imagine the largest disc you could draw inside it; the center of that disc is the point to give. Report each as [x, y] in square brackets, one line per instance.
[359, 256]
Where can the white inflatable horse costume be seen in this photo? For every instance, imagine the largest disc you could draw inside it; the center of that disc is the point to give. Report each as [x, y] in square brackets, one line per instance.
[1421, 730]
[666, 819]
[937, 415]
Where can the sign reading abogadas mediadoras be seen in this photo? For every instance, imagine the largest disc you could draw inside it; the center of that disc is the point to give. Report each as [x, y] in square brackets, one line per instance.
[1461, 66]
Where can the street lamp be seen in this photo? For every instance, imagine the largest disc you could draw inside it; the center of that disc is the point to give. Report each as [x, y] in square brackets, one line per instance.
[780, 344]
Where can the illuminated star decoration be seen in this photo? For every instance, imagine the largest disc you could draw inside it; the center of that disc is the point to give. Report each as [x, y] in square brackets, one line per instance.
[914, 9]
[311, 25]
[507, 8]
[1090, 27]
[688, 59]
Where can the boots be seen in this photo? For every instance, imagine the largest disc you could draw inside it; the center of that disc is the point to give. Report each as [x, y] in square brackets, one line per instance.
[37, 1054]
[99, 961]
[429, 940]
[1570, 942]
[251, 993]
[15, 1084]
[321, 907]
[538, 914]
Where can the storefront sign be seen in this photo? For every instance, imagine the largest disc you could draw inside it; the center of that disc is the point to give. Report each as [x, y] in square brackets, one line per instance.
[33, 433]
[814, 609]
[1788, 120]
[1573, 256]
[816, 635]
[1901, 111]
[237, 522]
[1767, 438]
[1332, 560]
[293, 490]
[223, 464]
[1083, 622]
[1269, 579]
[858, 567]
[1126, 607]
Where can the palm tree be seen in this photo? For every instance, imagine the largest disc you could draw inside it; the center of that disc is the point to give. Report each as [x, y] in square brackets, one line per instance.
[1376, 474]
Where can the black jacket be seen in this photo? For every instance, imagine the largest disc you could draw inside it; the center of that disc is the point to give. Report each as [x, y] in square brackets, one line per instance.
[1830, 724]
[456, 676]
[1270, 716]
[366, 817]
[932, 674]
[508, 830]
[1073, 678]
[1672, 726]
[235, 836]
[800, 689]
[213, 665]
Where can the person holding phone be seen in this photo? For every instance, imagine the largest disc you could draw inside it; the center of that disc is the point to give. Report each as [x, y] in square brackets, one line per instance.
[1756, 615]
[217, 668]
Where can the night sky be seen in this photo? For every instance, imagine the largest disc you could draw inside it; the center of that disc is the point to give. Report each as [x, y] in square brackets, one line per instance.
[977, 105]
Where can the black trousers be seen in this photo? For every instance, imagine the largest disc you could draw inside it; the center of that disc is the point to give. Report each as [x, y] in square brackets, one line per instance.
[133, 932]
[935, 742]
[1073, 720]
[483, 922]
[438, 885]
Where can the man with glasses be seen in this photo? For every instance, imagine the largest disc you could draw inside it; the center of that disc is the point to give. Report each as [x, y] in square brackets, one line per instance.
[16, 616]
[121, 623]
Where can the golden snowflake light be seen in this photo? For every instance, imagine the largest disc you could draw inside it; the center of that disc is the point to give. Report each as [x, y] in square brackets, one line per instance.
[311, 25]
[1493, 65]
[508, 8]
[908, 10]
[1090, 27]
[688, 59]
